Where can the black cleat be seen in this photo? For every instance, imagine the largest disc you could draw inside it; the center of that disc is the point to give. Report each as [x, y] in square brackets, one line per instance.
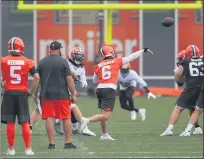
[69, 146]
[51, 146]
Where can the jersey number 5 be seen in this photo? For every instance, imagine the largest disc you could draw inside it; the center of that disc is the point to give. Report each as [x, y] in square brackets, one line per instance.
[196, 69]
[106, 74]
[17, 77]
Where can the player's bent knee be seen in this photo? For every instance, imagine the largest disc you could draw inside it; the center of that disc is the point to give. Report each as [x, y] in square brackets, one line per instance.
[73, 105]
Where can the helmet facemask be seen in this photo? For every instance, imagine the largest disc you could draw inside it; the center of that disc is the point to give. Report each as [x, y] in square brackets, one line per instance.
[78, 58]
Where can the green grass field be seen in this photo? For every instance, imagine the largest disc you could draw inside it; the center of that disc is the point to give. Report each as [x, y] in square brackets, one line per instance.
[134, 138]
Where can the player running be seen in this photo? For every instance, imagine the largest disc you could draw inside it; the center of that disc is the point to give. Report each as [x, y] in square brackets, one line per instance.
[106, 76]
[15, 69]
[198, 130]
[128, 79]
[198, 109]
[79, 74]
[191, 69]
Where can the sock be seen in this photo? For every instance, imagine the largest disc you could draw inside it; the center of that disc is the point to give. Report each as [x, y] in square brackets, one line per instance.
[74, 126]
[105, 134]
[57, 121]
[170, 127]
[26, 134]
[189, 127]
[197, 125]
[136, 110]
[10, 133]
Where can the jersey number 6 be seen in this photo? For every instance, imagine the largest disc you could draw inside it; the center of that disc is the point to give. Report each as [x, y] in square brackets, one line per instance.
[17, 77]
[106, 74]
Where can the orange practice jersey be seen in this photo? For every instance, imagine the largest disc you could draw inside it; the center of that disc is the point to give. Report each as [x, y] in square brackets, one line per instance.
[15, 70]
[107, 71]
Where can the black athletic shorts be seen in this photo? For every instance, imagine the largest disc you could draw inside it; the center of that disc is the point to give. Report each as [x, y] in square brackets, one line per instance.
[106, 98]
[200, 101]
[15, 103]
[188, 97]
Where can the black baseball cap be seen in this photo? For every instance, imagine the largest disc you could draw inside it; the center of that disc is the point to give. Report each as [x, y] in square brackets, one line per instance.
[55, 45]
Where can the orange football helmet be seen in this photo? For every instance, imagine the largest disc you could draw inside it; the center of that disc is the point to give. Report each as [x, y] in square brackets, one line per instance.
[16, 44]
[77, 55]
[181, 55]
[107, 51]
[192, 51]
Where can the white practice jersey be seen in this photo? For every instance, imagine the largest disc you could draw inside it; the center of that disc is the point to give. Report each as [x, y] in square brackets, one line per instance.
[130, 80]
[79, 71]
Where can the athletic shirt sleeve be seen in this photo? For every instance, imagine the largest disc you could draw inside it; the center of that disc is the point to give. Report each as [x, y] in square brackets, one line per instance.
[82, 74]
[139, 79]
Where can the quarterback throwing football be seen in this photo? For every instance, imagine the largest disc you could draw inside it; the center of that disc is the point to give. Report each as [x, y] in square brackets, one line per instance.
[106, 78]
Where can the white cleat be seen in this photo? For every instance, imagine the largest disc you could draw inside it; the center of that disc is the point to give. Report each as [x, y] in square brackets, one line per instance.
[29, 152]
[84, 122]
[167, 133]
[10, 152]
[142, 113]
[198, 131]
[106, 137]
[185, 133]
[88, 132]
[133, 115]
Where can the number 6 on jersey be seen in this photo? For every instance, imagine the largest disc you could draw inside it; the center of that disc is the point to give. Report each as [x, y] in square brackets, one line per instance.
[106, 74]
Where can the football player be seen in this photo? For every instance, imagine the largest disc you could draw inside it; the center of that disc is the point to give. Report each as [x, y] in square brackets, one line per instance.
[191, 69]
[106, 78]
[198, 130]
[79, 74]
[128, 80]
[15, 69]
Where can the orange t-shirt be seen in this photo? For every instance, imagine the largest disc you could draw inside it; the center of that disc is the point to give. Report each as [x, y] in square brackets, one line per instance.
[15, 71]
[107, 71]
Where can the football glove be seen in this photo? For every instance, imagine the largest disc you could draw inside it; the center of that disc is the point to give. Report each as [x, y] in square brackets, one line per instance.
[151, 95]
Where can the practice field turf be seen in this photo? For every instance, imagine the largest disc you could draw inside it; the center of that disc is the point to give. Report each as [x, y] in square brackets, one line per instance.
[134, 138]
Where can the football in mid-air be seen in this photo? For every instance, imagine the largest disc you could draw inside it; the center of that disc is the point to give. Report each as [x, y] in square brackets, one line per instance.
[167, 22]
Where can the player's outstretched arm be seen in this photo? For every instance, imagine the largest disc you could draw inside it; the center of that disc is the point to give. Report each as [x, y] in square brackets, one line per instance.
[135, 55]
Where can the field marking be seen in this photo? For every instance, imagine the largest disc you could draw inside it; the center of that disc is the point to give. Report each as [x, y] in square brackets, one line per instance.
[187, 152]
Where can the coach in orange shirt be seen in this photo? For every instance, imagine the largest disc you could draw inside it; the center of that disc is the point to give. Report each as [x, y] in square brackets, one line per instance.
[55, 80]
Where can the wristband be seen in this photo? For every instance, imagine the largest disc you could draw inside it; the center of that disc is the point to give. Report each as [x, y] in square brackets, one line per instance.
[146, 49]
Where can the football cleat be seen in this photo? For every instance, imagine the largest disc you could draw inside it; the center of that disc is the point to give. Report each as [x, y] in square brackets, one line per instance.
[10, 152]
[133, 115]
[86, 131]
[29, 152]
[84, 123]
[69, 146]
[198, 131]
[167, 133]
[186, 133]
[106, 137]
[142, 113]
